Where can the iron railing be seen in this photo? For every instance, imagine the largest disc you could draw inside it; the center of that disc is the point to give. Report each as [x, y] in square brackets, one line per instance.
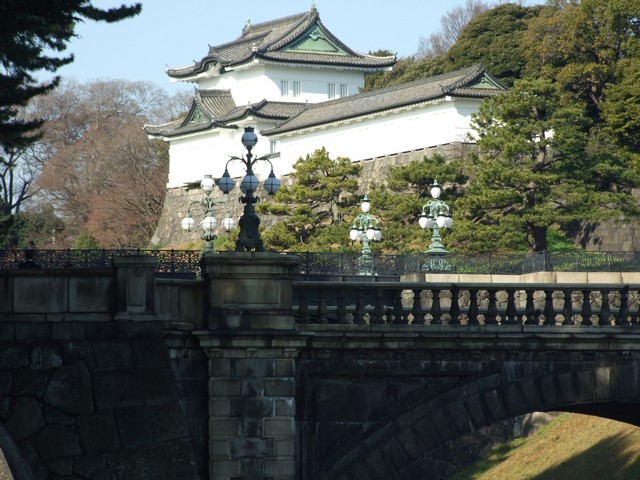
[345, 265]
[170, 262]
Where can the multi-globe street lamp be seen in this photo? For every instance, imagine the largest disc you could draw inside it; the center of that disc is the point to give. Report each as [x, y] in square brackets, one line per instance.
[436, 215]
[209, 222]
[365, 228]
[249, 235]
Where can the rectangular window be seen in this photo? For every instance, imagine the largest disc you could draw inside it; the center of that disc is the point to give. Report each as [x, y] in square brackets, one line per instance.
[273, 146]
[331, 92]
[344, 90]
[284, 88]
[296, 89]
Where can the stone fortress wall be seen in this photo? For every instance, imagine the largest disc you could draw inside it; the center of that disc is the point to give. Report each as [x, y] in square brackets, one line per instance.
[606, 236]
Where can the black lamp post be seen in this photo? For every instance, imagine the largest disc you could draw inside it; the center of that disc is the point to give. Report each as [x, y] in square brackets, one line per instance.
[249, 236]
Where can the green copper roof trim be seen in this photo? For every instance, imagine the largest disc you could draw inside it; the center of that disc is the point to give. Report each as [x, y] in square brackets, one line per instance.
[316, 40]
[196, 117]
[485, 82]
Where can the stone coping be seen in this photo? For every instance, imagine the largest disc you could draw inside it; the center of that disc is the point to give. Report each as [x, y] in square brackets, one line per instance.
[537, 277]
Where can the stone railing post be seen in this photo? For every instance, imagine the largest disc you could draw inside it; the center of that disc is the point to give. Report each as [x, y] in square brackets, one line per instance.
[135, 287]
[252, 351]
[250, 290]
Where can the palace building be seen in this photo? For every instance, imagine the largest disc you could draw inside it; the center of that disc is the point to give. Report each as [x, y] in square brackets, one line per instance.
[299, 86]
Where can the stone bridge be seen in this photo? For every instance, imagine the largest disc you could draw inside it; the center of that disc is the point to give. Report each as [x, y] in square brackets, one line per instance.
[251, 373]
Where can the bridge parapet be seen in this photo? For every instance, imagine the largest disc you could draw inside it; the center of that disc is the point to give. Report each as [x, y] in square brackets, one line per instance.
[467, 304]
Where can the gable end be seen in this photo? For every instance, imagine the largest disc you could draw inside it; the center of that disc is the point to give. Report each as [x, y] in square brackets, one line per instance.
[316, 40]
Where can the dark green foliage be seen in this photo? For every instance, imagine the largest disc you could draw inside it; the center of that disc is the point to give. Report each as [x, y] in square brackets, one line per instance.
[29, 31]
[37, 226]
[405, 70]
[536, 171]
[399, 202]
[493, 39]
[316, 201]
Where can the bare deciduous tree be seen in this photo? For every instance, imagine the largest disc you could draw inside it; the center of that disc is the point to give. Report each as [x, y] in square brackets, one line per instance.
[99, 170]
[451, 24]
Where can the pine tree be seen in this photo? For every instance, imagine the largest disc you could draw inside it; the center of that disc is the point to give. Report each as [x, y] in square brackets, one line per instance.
[29, 30]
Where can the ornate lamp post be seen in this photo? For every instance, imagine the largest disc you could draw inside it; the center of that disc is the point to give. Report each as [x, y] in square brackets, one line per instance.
[365, 228]
[435, 216]
[249, 237]
[209, 222]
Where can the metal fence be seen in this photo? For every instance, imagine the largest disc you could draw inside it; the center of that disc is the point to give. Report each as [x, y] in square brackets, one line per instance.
[344, 265]
[170, 262]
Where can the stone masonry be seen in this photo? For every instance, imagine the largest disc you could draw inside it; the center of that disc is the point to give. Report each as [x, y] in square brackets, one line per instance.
[374, 171]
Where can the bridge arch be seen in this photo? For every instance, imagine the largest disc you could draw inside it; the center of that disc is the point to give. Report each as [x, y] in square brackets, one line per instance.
[11, 458]
[411, 442]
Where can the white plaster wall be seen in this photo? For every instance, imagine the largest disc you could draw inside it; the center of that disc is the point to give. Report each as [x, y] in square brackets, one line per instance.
[435, 124]
[194, 156]
[260, 82]
[441, 122]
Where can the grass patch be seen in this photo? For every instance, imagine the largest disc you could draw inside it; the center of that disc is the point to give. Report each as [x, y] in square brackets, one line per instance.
[570, 447]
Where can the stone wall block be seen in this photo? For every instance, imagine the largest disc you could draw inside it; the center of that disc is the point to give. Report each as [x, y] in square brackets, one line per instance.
[24, 418]
[227, 469]
[45, 356]
[251, 447]
[135, 286]
[224, 386]
[279, 468]
[70, 389]
[285, 407]
[27, 381]
[116, 389]
[90, 293]
[57, 441]
[252, 367]
[33, 331]
[89, 466]
[112, 355]
[279, 427]
[225, 427]
[98, 433]
[150, 353]
[168, 460]
[279, 387]
[251, 407]
[69, 331]
[39, 292]
[133, 426]
[167, 421]
[13, 356]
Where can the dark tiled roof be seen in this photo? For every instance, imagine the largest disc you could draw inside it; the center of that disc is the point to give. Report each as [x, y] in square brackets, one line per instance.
[216, 108]
[266, 110]
[469, 82]
[283, 40]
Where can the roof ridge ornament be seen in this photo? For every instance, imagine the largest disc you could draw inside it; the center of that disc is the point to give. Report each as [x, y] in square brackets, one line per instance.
[247, 26]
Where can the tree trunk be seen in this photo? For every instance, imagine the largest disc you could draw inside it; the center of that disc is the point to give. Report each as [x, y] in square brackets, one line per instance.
[539, 237]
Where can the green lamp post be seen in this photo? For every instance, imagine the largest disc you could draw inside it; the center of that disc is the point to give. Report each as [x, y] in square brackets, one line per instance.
[366, 229]
[435, 216]
[209, 222]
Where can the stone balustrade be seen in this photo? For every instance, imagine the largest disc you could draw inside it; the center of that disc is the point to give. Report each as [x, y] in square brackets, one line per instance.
[467, 303]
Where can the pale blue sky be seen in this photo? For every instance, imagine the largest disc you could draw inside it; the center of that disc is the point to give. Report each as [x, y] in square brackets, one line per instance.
[175, 33]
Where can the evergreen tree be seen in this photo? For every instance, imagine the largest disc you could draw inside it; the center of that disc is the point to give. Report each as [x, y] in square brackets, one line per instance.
[313, 207]
[29, 30]
[399, 202]
[536, 171]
